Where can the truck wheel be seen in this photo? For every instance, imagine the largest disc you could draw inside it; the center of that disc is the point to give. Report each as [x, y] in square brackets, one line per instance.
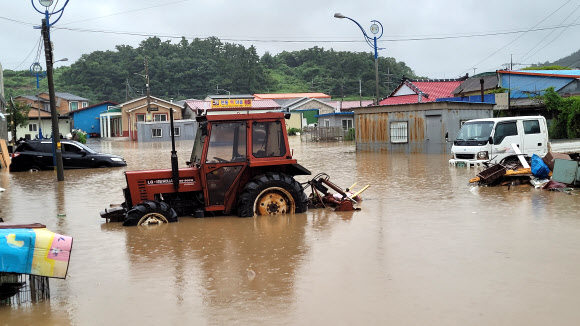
[271, 194]
[150, 212]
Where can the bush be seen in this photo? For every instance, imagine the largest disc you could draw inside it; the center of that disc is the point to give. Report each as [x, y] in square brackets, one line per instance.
[350, 134]
[293, 131]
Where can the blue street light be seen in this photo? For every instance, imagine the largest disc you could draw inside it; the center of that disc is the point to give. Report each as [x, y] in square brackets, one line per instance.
[36, 69]
[376, 27]
[56, 145]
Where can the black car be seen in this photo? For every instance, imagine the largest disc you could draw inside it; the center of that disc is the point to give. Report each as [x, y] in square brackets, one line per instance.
[35, 155]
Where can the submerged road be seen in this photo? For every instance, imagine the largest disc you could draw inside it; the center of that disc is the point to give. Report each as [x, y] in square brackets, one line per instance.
[426, 249]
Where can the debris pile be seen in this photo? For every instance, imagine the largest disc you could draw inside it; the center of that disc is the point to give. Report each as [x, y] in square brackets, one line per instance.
[552, 172]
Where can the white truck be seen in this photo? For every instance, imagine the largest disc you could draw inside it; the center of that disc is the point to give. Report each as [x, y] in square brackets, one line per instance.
[490, 140]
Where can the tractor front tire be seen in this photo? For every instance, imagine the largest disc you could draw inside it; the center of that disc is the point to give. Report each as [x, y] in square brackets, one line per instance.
[150, 212]
[271, 194]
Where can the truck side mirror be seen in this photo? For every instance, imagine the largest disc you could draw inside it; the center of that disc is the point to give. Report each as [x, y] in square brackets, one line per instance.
[446, 136]
[490, 140]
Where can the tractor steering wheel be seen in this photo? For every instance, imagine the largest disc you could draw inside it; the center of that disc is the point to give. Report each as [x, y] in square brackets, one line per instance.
[220, 160]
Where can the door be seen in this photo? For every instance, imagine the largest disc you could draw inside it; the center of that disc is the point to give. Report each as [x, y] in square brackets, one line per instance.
[534, 138]
[505, 134]
[72, 156]
[434, 141]
[225, 158]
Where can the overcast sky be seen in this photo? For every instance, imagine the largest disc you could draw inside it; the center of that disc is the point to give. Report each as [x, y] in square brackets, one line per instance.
[276, 26]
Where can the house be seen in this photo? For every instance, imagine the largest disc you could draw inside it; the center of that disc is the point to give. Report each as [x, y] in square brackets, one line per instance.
[121, 120]
[40, 121]
[34, 102]
[526, 85]
[472, 85]
[308, 109]
[87, 119]
[421, 90]
[66, 102]
[161, 130]
[344, 114]
[414, 127]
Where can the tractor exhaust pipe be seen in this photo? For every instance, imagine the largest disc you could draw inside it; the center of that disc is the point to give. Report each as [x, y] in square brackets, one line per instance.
[174, 164]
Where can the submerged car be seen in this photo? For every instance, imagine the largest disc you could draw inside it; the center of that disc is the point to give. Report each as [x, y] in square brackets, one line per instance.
[35, 155]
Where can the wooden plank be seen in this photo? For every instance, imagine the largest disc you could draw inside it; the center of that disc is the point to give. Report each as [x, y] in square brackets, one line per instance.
[521, 156]
[4, 155]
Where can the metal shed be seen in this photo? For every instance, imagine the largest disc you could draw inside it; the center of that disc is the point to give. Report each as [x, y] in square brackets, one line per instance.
[414, 128]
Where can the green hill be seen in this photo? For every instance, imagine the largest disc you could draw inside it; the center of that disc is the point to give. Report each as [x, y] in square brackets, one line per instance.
[197, 68]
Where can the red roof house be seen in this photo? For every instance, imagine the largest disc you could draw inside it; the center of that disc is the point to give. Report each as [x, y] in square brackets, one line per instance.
[422, 90]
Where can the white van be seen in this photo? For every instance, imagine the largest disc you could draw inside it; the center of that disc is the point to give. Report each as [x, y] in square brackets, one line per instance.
[483, 140]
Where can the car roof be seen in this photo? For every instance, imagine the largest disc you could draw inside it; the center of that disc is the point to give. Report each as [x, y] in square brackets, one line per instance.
[507, 118]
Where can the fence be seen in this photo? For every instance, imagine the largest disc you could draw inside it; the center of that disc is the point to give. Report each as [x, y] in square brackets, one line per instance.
[17, 289]
[326, 134]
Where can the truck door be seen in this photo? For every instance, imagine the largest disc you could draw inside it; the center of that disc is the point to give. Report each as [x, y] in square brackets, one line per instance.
[535, 139]
[225, 158]
[506, 133]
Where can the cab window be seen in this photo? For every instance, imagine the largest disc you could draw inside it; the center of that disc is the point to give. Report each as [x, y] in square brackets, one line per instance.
[503, 130]
[531, 127]
[227, 143]
[268, 139]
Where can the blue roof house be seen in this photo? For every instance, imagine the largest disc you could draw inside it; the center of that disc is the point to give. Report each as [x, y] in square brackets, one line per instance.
[526, 83]
[87, 119]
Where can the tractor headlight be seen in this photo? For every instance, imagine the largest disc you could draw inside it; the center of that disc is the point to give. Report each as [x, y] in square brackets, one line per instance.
[482, 155]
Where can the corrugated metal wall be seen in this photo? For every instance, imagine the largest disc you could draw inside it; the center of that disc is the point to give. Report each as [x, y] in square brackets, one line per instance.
[426, 129]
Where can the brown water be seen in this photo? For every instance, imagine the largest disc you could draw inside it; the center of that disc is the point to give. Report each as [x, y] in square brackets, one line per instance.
[426, 249]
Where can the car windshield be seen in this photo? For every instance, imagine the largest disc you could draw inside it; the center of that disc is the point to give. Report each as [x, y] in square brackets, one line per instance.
[477, 130]
[86, 148]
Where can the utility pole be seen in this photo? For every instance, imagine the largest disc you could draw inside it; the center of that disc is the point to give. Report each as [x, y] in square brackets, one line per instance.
[56, 145]
[148, 88]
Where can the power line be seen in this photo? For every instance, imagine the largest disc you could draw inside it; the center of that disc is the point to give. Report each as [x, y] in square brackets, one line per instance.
[517, 38]
[34, 48]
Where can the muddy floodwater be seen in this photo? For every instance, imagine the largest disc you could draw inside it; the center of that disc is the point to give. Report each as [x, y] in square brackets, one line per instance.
[426, 249]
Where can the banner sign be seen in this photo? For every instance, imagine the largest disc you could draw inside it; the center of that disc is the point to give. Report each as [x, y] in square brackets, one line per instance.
[235, 103]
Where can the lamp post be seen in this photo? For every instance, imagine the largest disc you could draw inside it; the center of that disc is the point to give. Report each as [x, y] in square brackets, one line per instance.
[45, 28]
[36, 70]
[376, 27]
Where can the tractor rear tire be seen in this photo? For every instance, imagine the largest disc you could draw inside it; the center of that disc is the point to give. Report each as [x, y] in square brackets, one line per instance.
[271, 194]
[150, 212]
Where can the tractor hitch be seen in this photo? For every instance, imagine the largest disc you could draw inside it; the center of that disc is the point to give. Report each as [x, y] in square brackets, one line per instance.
[342, 201]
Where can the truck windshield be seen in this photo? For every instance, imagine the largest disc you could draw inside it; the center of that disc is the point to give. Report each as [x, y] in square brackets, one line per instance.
[475, 131]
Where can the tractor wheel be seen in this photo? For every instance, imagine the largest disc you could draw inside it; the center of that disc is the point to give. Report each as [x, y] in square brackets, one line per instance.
[150, 212]
[271, 194]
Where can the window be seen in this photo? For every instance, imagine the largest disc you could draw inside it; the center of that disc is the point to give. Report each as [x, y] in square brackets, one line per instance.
[531, 127]
[268, 139]
[140, 117]
[503, 130]
[70, 148]
[156, 133]
[160, 117]
[346, 124]
[326, 122]
[227, 143]
[32, 127]
[73, 106]
[177, 131]
[85, 104]
[399, 132]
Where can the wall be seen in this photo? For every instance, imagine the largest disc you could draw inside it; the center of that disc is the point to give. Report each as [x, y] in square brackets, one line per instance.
[46, 125]
[88, 120]
[187, 132]
[427, 125]
[295, 120]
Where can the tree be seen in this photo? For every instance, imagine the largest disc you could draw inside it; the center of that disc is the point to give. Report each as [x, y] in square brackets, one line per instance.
[18, 115]
[566, 122]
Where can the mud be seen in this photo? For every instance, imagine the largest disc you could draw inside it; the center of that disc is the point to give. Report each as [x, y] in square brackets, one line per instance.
[426, 249]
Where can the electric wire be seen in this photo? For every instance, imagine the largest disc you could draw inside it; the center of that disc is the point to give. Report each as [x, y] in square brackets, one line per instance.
[517, 38]
[37, 44]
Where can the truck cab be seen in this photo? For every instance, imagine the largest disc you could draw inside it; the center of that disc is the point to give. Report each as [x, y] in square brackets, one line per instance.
[490, 140]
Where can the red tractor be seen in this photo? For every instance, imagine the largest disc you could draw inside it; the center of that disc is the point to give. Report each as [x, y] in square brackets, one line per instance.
[240, 164]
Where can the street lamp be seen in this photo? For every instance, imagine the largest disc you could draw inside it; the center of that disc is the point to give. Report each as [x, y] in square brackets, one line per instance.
[36, 70]
[45, 31]
[376, 27]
